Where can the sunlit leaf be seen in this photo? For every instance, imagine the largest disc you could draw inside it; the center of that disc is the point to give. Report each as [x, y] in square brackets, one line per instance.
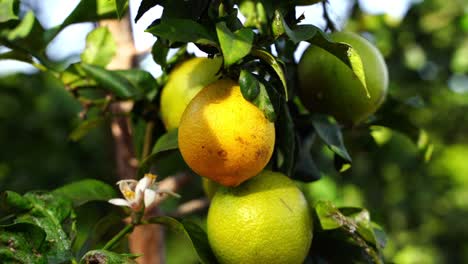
[8, 10]
[249, 85]
[105, 256]
[100, 47]
[234, 45]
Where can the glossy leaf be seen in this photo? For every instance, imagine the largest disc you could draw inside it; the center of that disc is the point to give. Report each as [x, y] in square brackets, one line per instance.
[329, 131]
[112, 81]
[105, 256]
[300, 32]
[142, 80]
[182, 30]
[263, 102]
[196, 234]
[255, 14]
[234, 45]
[342, 51]
[274, 64]
[84, 191]
[249, 85]
[100, 47]
[8, 10]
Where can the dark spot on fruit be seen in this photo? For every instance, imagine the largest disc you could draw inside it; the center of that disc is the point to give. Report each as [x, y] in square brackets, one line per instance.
[240, 140]
[222, 153]
[202, 147]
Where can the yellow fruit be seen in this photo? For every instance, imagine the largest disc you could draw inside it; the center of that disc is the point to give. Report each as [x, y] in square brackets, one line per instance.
[264, 220]
[224, 137]
[184, 82]
[209, 187]
[327, 85]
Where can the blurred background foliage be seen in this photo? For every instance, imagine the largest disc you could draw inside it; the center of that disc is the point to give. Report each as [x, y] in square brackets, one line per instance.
[423, 205]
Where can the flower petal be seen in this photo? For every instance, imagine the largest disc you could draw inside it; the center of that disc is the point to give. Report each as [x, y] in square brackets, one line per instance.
[150, 197]
[119, 202]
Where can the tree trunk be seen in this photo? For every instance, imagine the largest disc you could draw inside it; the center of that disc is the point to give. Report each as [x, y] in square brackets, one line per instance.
[149, 239]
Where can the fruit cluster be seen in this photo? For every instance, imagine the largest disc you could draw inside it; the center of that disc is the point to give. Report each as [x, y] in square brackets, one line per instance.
[256, 214]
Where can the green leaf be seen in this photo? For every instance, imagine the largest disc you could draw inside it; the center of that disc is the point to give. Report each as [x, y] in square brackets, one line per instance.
[8, 10]
[249, 85]
[75, 77]
[166, 143]
[286, 141]
[255, 14]
[104, 256]
[121, 7]
[271, 60]
[146, 5]
[305, 168]
[263, 102]
[112, 81]
[86, 11]
[350, 227]
[18, 241]
[142, 80]
[16, 55]
[159, 52]
[394, 115]
[343, 52]
[100, 47]
[299, 33]
[11, 202]
[234, 45]
[328, 216]
[85, 126]
[85, 191]
[329, 131]
[54, 215]
[182, 30]
[196, 234]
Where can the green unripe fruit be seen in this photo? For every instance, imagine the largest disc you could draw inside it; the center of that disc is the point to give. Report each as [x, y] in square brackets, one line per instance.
[327, 85]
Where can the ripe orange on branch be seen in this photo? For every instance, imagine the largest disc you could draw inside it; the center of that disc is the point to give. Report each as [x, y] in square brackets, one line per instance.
[224, 137]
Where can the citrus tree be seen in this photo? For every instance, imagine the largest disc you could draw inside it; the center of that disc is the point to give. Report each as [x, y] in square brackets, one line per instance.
[257, 125]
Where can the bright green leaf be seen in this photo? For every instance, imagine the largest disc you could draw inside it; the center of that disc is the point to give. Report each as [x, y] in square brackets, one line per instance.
[234, 45]
[11, 202]
[19, 240]
[100, 47]
[328, 215]
[263, 102]
[343, 52]
[8, 10]
[85, 191]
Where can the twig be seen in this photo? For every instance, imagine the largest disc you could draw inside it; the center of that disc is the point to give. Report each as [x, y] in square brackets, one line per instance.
[148, 139]
[329, 23]
[191, 206]
[127, 229]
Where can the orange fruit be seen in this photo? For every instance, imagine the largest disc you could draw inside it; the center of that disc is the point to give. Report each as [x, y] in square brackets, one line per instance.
[224, 137]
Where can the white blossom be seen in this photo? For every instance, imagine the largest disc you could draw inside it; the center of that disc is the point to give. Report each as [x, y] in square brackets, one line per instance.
[139, 193]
